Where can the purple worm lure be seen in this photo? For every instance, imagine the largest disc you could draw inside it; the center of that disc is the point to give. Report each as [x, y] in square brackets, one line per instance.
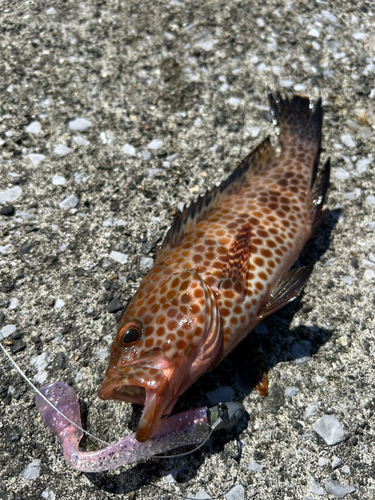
[58, 405]
[187, 428]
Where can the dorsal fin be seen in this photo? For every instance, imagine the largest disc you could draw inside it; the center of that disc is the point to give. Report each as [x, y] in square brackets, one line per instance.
[253, 164]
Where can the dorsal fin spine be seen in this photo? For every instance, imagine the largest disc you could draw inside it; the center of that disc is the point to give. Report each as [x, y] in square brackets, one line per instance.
[198, 209]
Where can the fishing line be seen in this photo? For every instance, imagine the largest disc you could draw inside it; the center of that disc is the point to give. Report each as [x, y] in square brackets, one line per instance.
[37, 391]
[24, 376]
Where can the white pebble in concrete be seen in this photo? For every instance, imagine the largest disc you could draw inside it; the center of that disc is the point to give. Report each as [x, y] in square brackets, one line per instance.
[62, 150]
[120, 257]
[6, 331]
[315, 488]
[339, 490]
[155, 144]
[31, 471]
[69, 202]
[290, 392]
[79, 124]
[34, 128]
[348, 140]
[10, 194]
[330, 429]
[129, 150]
[35, 158]
[58, 180]
[147, 262]
[254, 466]
[236, 493]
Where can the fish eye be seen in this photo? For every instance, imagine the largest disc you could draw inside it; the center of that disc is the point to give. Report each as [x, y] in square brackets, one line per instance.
[129, 334]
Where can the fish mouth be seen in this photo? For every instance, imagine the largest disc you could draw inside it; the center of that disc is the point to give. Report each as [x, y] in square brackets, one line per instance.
[151, 390]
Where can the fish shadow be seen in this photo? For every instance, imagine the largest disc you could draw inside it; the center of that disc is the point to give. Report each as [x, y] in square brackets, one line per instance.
[234, 379]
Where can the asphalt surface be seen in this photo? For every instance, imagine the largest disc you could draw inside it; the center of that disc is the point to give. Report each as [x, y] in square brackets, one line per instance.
[175, 94]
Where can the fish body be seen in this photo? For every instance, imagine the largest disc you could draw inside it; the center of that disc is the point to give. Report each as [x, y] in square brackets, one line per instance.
[223, 266]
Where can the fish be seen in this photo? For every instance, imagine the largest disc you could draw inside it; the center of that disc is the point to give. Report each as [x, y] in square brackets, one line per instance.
[225, 264]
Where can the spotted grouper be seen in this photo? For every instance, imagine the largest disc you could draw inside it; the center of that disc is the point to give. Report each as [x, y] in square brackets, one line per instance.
[224, 265]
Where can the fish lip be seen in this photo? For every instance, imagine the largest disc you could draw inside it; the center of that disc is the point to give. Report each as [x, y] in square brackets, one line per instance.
[153, 396]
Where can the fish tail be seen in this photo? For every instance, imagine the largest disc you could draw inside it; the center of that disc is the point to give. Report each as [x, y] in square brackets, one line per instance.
[318, 195]
[294, 119]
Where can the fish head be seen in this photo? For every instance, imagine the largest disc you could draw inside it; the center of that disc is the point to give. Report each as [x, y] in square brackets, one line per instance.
[162, 346]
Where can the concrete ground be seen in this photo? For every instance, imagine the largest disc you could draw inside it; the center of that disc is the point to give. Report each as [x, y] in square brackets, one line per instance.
[173, 94]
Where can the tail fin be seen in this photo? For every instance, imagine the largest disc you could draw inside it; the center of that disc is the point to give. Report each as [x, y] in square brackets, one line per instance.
[318, 195]
[296, 118]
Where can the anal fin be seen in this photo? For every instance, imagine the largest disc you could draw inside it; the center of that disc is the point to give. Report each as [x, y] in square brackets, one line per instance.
[234, 276]
[287, 289]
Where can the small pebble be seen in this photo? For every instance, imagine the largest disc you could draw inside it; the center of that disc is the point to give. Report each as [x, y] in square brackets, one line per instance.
[13, 303]
[120, 257]
[363, 164]
[339, 490]
[207, 46]
[329, 16]
[330, 429]
[254, 131]
[348, 140]
[62, 150]
[234, 101]
[236, 493]
[254, 466]
[114, 306]
[147, 262]
[370, 200]
[59, 303]
[58, 180]
[6, 331]
[69, 202]
[48, 494]
[310, 410]
[155, 144]
[146, 155]
[129, 150]
[314, 33]
[323, 461]
[8, 211]
[364, 132]
[34, 128]
[286, 83]
[290, 392]
[79, 124]
[31, 471]
[315, 488]
[4, 249]
[80, 141]
[336, 463]
[35, 158]
[342, 174]
[10, 194]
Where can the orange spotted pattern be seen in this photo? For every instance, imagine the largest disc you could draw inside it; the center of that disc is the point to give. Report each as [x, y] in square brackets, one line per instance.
[217, 268]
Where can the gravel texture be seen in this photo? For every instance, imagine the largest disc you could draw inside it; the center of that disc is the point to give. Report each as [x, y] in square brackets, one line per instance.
[115, 113]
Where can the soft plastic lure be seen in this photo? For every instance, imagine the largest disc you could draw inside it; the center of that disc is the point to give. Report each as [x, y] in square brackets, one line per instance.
[187, 428]
[58, 406]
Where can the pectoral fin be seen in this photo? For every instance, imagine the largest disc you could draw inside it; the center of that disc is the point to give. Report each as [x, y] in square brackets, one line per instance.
[236, 265]
[287, 289]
